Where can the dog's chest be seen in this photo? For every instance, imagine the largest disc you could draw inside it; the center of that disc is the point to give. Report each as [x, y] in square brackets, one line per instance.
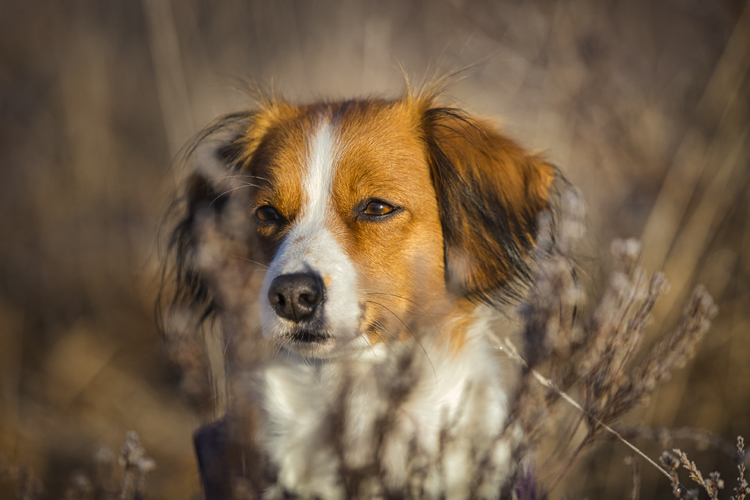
[431, 415]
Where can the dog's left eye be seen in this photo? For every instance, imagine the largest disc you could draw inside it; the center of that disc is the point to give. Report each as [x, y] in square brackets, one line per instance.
[267, 214]
[377, 208]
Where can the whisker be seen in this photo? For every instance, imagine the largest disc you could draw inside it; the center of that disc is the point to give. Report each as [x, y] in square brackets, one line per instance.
[411, 333]
[249, 260]
[235, 189]
[429, 315]
[381, 337]
[238, 176]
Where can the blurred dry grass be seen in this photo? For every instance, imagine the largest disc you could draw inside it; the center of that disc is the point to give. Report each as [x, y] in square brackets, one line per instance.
[644, 106]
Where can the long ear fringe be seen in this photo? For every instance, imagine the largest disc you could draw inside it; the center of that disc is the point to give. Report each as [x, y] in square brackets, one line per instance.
[213, 156]
[489, 227]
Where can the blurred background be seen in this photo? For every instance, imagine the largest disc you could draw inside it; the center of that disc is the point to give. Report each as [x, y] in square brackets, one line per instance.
[644, 105]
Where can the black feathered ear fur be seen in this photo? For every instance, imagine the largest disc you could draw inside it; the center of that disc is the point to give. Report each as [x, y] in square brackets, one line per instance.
[490, 192]
[206, 197]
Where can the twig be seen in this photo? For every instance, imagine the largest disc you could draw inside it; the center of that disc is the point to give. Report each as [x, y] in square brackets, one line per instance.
[512, 352]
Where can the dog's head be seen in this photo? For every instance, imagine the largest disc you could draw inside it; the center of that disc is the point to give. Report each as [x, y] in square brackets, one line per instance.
[370, 213]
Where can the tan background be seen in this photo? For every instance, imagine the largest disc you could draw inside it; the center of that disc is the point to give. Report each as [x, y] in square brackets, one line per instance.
[643, 105]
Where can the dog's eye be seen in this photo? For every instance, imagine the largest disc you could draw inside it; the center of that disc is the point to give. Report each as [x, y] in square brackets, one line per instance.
[377, 208]
[267, 213]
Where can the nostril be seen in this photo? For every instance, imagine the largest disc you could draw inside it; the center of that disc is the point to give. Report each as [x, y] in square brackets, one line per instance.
[296, 296]
[308, 298]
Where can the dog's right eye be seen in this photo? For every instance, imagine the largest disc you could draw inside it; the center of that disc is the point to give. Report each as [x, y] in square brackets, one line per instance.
[267, 213]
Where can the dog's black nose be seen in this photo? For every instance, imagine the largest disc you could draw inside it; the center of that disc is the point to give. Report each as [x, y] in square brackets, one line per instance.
[296, 296]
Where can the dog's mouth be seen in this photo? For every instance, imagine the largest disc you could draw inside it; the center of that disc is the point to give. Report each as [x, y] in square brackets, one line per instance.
[308, 343]
[309, 337]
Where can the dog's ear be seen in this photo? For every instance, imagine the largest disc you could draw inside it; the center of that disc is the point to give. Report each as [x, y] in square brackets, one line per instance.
[205, 201]
[217, 154]
[490, 192]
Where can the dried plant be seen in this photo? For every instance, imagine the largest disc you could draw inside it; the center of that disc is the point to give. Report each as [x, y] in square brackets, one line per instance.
[132, 484]
[742, 489]
[595, 358]
[644, 104]
[713, 484]
[80, 487]
[635, 478]
[666, 438]
[589, 363]
[27, 486]
[136, 465]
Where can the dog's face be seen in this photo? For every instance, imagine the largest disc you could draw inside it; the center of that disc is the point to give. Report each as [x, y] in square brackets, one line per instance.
[370, 214]
[347, 218]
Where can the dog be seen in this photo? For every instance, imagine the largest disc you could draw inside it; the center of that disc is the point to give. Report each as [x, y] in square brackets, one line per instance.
[380, 240]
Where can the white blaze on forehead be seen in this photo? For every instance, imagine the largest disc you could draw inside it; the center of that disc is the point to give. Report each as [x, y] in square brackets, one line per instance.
[318, 179]
[310, 247]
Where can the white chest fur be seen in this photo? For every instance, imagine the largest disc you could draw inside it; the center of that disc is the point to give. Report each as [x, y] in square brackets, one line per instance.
[402, 418]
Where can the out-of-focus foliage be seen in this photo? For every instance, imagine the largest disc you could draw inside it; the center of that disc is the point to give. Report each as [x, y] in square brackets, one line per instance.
[643, 105]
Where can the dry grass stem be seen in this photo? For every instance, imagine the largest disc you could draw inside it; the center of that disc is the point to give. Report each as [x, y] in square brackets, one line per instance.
[635, 478]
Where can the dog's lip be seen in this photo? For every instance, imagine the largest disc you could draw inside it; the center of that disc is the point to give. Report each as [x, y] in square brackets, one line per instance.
[309, 337]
